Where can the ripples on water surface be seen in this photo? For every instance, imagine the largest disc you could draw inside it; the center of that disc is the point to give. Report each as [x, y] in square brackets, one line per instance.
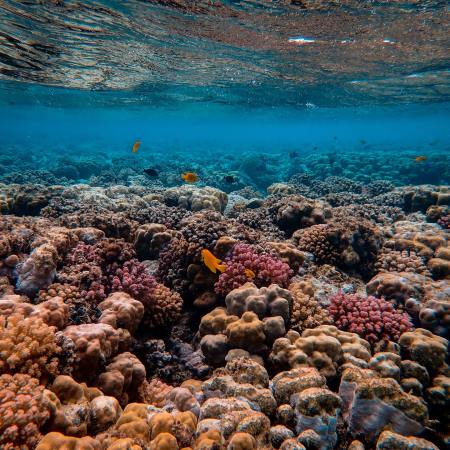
[214, 77]
[261, 52]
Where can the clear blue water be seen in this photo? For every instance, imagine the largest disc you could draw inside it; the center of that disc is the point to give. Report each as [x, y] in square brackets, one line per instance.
[207, 79]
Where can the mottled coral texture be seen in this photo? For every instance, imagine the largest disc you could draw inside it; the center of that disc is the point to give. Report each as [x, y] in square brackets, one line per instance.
[372, 318]
[23, 411]
[28, 346]
[283, 350]
[266, 267]
[162, 306]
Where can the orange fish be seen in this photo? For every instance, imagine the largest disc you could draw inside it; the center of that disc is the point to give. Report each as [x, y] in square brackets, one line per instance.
[136, 146]
[211, 262]
[420, 158]
[190, 177]
[249, 274]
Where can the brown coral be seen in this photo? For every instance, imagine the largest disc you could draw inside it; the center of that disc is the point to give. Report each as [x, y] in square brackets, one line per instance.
[164, 307]
[349, 244]
[95, 344]
[400, 261]
[57, 441]
[122, 377]
[306, 310]
[120, 310]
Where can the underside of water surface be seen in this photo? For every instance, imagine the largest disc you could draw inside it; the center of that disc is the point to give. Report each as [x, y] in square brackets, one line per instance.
[224, 225]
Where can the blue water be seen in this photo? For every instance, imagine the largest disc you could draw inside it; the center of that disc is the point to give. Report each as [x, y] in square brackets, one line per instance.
[204, 134]
[204, 83]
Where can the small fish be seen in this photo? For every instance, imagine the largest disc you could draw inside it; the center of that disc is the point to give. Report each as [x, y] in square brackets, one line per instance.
[362, 141]
[293, 154]
[420, 158]
[211, 262]
[230, 179]
[249, 274]
[152, 173]
[190, 177]
[136, 146]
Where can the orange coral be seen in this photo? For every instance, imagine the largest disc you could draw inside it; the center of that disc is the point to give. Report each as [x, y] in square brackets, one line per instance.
[28, 345]
[164, 441]
[154, 392]
[23, 411]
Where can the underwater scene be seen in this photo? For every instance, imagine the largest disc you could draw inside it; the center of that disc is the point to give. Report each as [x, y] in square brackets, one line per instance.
[224, 225]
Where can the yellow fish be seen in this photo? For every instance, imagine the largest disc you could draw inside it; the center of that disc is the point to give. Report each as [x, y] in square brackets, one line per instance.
[190, 177]
[136, 146]
[249, 274]
[420, 158]
[211, 262]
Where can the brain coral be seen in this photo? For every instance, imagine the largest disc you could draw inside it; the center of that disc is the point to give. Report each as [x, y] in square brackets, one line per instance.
[120, 310]
[372, 318]
[28, 345]
[325, 347]
[255, 264]
[372, 404]
[38, 270]
[55, 441]
[23, 411]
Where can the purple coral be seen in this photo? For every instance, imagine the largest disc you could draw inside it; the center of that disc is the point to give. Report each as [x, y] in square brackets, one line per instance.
[245, 260]
[372, 318]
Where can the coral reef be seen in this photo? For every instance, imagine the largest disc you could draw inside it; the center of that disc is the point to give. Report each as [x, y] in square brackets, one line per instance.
[28, 346]
[248, 263]
[23, 411]
[372, 318]
[348, 244]
[324, 327]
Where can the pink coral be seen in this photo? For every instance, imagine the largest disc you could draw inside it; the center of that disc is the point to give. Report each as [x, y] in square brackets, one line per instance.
[162, 306]
[133, 279]
[83, 270]
[266, 267]
[89, 267]
[372, 318]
